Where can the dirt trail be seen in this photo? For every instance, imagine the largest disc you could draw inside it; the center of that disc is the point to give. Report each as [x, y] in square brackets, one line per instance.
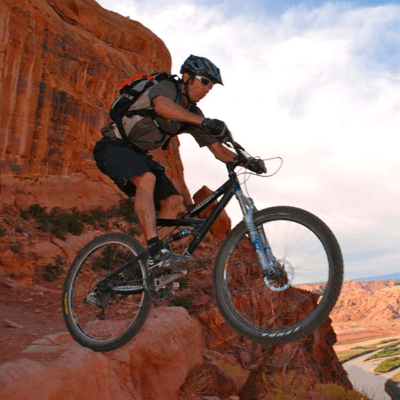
[26, 314]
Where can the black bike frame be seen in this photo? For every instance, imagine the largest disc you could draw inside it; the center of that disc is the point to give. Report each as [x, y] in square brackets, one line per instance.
[227, 190]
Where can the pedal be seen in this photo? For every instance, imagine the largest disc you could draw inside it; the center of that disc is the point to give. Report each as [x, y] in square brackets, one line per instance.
[167, 279]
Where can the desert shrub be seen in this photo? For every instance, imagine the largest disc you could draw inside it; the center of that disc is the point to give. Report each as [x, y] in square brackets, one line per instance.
[371, 347]
[67, 223]
[387, 341]
[60, 222]
[290, 385]
[52, 271]
[197, 382]
[388, 365]
[394, 344]
[346, 355]
[39, 214]
[384, 353]
[127, 210]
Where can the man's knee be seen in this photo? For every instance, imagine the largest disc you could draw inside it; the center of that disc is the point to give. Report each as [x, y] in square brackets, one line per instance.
[145, 180]
[174, 202]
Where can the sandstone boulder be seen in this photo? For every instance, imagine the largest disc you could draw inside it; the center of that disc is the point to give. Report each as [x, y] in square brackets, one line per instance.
[222, 225]
[152, 366]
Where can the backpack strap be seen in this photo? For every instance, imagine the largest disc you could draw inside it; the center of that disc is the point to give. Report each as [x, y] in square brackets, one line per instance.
[184, 126]
[144, 112]
[120, 126]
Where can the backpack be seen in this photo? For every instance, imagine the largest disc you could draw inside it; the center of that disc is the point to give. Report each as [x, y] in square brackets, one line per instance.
[130, 91]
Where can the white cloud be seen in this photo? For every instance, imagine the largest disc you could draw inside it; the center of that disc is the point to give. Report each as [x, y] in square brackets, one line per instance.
[319, 87]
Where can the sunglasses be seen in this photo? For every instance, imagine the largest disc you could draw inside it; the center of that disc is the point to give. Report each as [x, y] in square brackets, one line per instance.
[205, 81]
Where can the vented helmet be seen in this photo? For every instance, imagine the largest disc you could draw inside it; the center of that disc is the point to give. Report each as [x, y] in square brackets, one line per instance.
[202, 66]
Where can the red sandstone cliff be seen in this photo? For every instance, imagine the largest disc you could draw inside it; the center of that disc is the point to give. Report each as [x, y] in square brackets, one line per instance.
[60, 64]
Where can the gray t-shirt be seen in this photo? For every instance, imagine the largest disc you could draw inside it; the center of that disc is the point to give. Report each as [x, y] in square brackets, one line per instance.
[143, 132]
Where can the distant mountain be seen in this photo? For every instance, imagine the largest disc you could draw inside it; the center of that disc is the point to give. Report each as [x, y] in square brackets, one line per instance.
[390, 277]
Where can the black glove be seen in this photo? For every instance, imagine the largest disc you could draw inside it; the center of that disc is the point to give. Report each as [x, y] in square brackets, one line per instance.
[256, 165]
[215, 127]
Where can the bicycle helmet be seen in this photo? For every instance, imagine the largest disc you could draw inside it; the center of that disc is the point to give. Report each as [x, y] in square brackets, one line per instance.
[200, 65]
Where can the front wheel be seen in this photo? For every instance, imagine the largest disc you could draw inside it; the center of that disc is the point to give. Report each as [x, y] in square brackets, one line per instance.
[100, 313]
[301, 293]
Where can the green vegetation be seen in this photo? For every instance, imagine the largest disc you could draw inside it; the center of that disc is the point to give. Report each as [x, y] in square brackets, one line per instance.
[346, 355]
[396, 343]
[60, 222]
[357, 351]
[389, 341]
[384, 353]
[52, 271]
[127, 210]
[287, 386]
[371, 347]
[388, 365]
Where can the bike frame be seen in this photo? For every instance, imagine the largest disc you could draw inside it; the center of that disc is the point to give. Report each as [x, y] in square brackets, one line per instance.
[227, 190]
[202, 226]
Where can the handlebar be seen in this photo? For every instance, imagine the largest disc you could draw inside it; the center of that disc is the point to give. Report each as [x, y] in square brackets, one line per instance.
[245, 159]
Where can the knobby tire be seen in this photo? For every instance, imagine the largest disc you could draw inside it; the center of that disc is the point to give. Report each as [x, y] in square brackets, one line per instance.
[109, 319]
[311, 257]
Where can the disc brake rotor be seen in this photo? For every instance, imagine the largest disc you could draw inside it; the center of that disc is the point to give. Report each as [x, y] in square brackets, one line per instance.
[281, 277]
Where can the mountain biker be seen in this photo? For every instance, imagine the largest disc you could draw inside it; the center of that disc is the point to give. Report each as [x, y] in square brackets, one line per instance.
[131, 167]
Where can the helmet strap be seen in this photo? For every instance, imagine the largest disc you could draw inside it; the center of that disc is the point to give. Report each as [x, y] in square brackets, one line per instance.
[186, 93]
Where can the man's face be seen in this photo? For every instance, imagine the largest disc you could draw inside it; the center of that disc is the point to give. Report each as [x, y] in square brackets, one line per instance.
[199, 87]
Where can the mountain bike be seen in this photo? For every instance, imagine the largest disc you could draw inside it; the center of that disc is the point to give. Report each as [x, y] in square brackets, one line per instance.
[265, 273]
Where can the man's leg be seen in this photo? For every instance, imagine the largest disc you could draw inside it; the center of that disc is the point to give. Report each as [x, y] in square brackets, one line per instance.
[170, 208]
[144, 203]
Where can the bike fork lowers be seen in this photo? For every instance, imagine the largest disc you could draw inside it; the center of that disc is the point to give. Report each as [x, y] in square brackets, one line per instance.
[256, 234]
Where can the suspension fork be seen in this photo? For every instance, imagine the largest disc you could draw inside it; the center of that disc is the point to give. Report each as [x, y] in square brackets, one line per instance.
[257, 235]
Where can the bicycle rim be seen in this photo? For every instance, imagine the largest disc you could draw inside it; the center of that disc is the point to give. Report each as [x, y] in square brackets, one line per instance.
[294, 302]
[98, 316]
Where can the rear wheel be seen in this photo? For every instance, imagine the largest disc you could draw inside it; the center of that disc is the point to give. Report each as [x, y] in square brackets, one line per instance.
[299, 293]
[105, 314]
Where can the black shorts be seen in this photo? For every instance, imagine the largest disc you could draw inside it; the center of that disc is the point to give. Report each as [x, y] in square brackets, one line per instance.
[121, 163]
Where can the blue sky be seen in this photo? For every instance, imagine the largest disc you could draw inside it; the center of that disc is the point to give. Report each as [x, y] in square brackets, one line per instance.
[316, 83]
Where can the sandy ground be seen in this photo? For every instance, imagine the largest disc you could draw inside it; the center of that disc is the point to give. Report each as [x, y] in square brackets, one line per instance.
[360, 372]
[364, 335]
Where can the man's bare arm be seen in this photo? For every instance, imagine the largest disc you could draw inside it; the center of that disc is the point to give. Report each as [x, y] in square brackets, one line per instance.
[222, 153]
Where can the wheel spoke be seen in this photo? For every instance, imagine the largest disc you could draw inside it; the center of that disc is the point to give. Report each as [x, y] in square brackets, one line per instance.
[97, 316]
[293, 298]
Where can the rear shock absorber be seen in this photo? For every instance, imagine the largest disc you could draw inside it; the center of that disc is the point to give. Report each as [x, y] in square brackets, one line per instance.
[180, 235]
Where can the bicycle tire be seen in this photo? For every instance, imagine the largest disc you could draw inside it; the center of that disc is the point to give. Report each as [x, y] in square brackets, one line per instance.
[301, 242]
[104, 320]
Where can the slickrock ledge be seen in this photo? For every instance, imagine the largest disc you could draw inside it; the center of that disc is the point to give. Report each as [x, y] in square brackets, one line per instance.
[152, 366]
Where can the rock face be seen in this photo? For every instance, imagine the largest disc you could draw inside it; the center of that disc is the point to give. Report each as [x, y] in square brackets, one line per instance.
[60, 66]
[222, 225]
[152, 366]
